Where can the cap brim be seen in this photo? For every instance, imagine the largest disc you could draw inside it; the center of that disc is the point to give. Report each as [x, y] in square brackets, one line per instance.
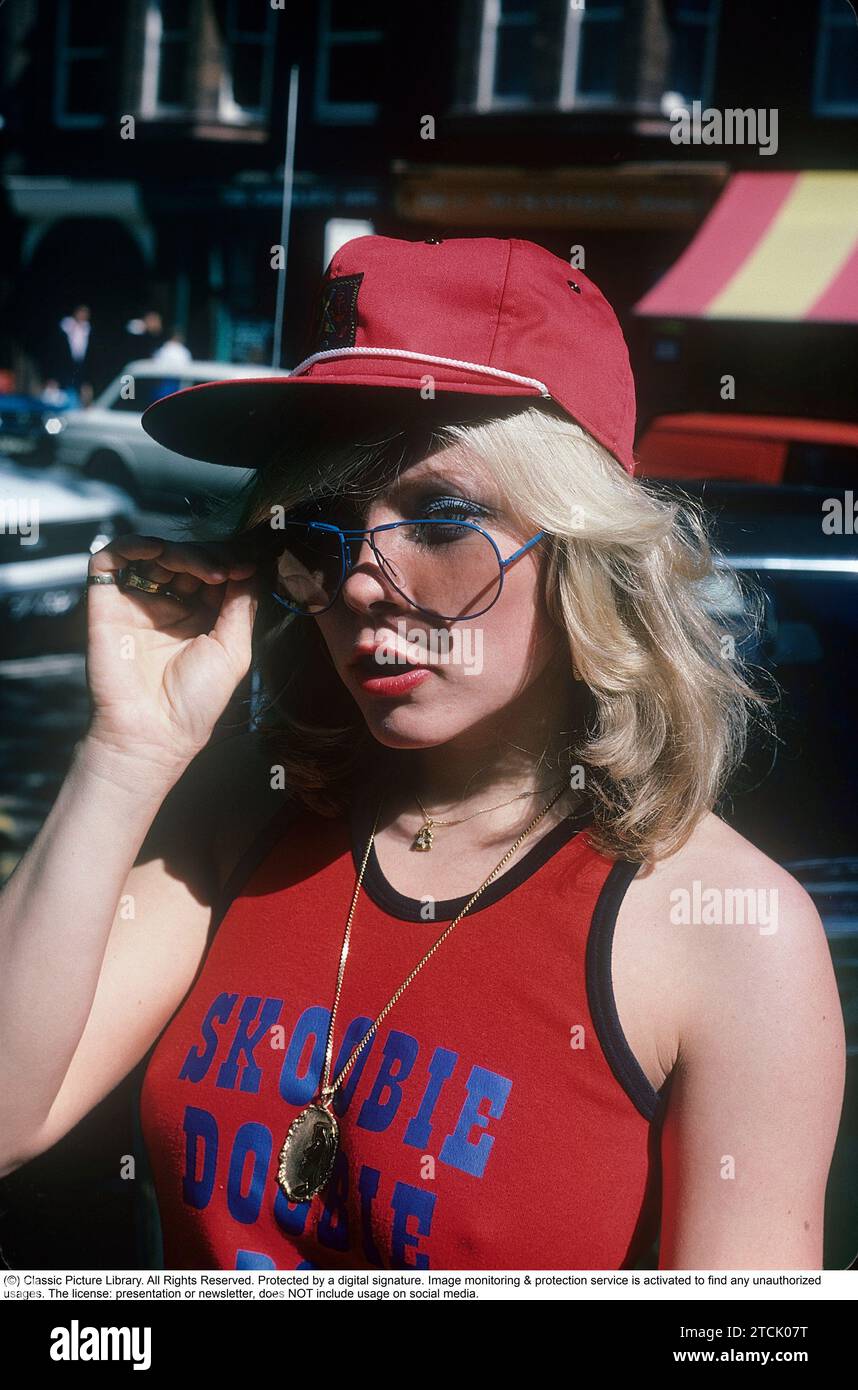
[240, 423]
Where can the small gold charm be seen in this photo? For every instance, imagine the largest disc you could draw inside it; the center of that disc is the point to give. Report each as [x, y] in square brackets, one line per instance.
[423, 838]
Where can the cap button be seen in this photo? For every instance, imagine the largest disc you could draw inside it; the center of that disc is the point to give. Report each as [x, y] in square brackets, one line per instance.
[433, 240]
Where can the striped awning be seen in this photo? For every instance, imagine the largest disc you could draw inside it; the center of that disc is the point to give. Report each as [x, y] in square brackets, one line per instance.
[774, 246]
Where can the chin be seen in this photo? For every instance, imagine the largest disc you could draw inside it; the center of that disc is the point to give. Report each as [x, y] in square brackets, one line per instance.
[409, 728]
[413, 722]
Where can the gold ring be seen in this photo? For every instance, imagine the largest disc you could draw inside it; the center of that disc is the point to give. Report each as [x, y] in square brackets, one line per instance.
[133, 580]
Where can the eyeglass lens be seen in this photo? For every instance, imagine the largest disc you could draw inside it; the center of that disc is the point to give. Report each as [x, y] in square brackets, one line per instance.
[443, 567]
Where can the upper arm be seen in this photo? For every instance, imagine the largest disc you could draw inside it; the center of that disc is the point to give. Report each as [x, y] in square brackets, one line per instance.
[160, 930]
[154, 949]
[755, 1097]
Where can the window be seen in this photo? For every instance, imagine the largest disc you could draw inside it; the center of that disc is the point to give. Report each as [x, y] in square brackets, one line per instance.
[591, 54]
[349, 69]
[507, 69]
[79, 93]
[166, 56]
[515, 50]
[694, 31]
[576, 54]
[249, 39]
[835, 82]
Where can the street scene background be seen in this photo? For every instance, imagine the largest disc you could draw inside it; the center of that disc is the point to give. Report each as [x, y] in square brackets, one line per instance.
[176, 174]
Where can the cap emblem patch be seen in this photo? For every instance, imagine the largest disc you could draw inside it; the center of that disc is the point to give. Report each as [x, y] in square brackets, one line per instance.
[336, 322]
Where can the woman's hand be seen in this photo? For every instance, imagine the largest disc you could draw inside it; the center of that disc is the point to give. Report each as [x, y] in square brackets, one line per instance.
[161, 669]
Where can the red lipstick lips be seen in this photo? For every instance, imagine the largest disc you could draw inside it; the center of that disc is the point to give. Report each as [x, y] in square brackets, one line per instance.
[393, 674]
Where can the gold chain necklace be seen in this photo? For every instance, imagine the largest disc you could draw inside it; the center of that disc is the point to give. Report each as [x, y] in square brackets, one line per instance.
[424, 838]
[306, 1160]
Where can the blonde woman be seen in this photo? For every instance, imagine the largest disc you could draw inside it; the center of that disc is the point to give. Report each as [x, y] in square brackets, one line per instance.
[439, 966]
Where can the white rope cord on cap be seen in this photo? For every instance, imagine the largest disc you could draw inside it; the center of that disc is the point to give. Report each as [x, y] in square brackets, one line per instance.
[420, 357]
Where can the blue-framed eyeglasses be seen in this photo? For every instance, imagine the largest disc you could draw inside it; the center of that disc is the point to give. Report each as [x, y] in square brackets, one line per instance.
[451, 570]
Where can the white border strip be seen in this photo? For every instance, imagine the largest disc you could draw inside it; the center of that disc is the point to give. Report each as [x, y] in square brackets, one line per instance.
[419, 357]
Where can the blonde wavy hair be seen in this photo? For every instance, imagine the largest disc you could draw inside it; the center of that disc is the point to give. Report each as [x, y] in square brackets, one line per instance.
[630, 575]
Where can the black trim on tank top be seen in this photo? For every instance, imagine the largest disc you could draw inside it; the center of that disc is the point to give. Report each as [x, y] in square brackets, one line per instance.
[258, 849]
[600, 993]
[600, 939]
[396, 904]
[598, 979]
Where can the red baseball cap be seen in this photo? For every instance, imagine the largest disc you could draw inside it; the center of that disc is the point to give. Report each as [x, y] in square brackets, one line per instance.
[468, 315]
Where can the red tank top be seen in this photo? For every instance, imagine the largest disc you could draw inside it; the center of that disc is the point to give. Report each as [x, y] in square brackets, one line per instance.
[496, 1120]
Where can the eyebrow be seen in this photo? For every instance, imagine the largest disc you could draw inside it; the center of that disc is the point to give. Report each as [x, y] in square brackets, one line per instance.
[427, 473]
[438, 473]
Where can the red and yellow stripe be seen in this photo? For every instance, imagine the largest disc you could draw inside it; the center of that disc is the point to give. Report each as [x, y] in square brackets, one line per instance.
[775, 246]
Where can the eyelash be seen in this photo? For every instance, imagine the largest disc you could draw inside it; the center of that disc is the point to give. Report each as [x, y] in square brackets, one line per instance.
[461, 506]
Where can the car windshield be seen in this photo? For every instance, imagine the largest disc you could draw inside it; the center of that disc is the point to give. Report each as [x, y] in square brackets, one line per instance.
[147, 390]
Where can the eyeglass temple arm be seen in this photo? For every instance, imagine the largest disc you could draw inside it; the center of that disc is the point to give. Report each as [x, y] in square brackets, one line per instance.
[522, 549]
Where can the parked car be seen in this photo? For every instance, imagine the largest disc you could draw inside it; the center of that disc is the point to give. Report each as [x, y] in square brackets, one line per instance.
[768, 449]
[54, 520]
[800, 797]
[29, 427]
[106, 440]
[795, 799]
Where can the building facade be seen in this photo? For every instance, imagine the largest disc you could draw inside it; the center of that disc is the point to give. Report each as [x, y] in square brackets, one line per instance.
[145, 142]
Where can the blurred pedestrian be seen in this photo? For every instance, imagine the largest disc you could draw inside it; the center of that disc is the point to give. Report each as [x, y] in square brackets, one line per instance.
[173, 353]
[69, 355]
[143, 336]
[53, 394]
[171, 356]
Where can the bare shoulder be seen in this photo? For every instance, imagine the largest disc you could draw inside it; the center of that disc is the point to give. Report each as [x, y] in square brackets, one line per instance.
[718, 860]
[718, 926]
[215, 811]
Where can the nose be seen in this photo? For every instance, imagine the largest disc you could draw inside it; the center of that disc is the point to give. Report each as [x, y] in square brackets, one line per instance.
[366, 584]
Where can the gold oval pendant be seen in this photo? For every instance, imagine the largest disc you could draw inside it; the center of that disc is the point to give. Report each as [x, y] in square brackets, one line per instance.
[307, 1156]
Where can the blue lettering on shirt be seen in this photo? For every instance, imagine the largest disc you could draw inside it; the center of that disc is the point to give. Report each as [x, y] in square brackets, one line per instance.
[244, 1042]
[457, 1149]
[196, 1064]
[255, 1140]
[410, 1203]
[299, 1088]
[400, 1051]
[420, 1127]
[200, 1128]
[252, 1163]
